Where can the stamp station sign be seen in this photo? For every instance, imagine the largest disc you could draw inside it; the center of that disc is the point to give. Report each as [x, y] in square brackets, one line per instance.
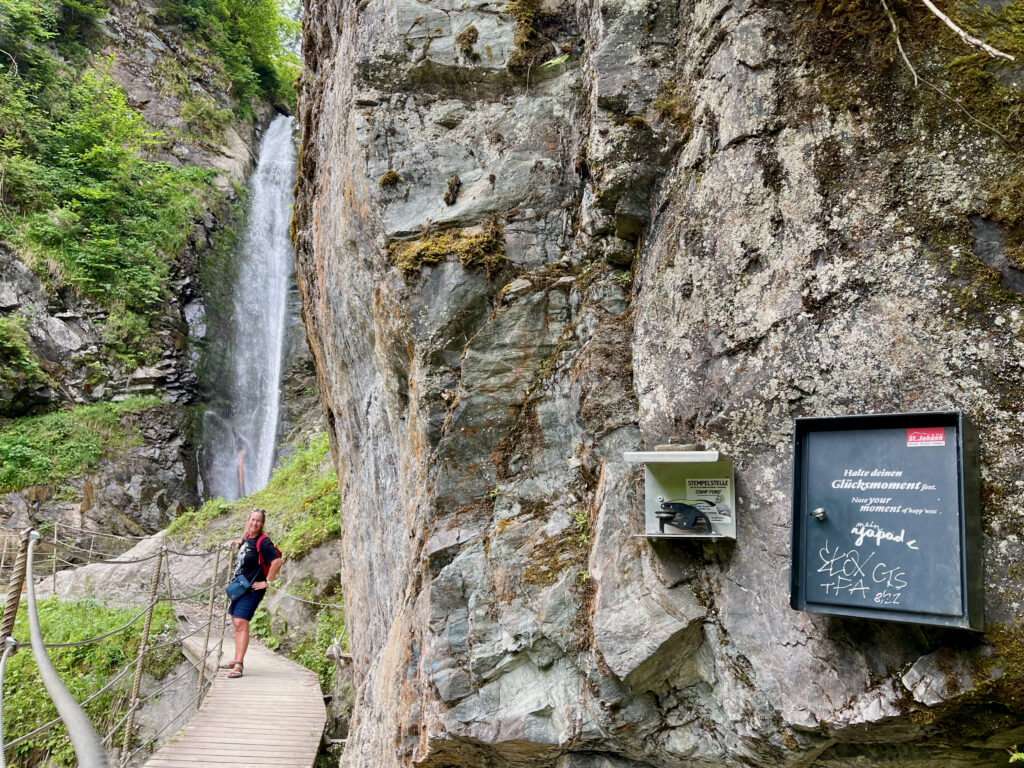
[886, 518]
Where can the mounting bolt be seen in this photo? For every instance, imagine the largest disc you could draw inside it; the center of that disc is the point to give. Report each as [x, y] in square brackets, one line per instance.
[818, 512]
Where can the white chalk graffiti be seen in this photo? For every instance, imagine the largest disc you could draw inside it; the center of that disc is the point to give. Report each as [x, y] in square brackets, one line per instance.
[853, 573]
[879, 534]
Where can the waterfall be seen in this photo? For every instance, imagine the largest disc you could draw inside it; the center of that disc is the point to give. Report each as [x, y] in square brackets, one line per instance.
[240, 437]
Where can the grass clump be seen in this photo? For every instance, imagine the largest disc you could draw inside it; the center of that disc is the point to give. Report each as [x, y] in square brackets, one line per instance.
[531, 47]
[84, 670]
[674, 105]
[204, 117]
[309, 651]
[65, 444]
[480, 249]
[302, 500]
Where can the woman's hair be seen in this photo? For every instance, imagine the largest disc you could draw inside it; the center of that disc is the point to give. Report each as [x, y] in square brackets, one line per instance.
[263, 513]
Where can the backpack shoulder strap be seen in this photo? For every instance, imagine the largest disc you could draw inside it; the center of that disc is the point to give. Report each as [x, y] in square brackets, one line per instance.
[260, 554]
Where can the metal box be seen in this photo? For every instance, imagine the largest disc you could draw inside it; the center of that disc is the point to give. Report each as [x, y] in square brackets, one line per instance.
[703, 477]
[886, 518]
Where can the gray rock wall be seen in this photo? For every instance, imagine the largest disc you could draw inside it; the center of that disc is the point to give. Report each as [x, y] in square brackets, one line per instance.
[700, 240]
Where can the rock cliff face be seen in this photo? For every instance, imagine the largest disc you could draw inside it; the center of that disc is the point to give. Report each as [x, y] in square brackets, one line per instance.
[712, 220]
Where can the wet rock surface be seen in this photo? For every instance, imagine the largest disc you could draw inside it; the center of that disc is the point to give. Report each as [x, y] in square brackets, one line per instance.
[787, 258]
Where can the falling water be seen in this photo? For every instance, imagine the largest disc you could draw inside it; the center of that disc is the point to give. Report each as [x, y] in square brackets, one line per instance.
[240, 440]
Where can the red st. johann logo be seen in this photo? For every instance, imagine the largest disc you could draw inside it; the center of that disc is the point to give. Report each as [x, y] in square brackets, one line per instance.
[925, 436]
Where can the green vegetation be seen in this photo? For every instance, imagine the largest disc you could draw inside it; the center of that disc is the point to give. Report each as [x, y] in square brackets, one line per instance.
[20, 364]
[302, 502]
[250, 38]
[307, 649]
[64, 444]
[78, 199]
[482, 249]
[84, 670]
[581, 522]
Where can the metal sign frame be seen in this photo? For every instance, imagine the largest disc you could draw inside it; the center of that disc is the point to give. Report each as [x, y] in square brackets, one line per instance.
[965, 609]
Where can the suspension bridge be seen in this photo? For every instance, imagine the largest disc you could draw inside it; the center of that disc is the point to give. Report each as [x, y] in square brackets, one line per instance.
[273, 716]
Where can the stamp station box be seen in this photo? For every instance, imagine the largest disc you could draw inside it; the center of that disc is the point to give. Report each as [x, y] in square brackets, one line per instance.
[887, 518]
[687, 493]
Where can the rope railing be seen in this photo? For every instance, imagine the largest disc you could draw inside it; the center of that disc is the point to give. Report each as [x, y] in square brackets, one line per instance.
[193, 702]
[84, 739]
[335, 606]
[98, 638]
[89, 748]
[47, 725]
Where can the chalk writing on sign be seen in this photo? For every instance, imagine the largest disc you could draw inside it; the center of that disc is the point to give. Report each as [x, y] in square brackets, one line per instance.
[879, 534]
[850, 571]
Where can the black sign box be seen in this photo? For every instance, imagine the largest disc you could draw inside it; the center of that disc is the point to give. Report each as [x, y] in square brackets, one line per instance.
[886, 518]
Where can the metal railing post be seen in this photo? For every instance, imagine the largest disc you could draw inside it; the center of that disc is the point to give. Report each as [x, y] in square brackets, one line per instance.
[209, 626]
[86, 742]
[14, 587]
[141, 659]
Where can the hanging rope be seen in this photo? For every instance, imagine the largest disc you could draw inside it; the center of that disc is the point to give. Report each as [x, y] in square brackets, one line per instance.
[144, 640]
[15, 587]
[206, 637]
[83, 554]
[91, 640]
[283, 593]
[184, 710]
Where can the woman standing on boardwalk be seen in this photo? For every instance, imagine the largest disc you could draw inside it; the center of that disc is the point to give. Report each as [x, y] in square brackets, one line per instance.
[258, 561]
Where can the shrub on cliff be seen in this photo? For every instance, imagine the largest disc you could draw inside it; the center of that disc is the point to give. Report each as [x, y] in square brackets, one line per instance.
[77, 198]
[251, 37]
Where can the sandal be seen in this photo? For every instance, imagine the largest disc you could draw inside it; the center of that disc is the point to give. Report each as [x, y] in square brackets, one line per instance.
[228, 665]
[237, 671]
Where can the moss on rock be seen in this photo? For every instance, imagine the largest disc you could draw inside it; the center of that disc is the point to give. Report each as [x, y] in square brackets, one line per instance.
[465, 41]
[390, 179]
[485, 249]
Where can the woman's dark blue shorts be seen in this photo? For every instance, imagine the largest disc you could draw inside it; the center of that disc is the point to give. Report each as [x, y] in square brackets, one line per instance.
[245, 606]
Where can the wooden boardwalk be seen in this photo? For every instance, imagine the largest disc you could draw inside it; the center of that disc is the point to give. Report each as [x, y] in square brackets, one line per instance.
[272, 716]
